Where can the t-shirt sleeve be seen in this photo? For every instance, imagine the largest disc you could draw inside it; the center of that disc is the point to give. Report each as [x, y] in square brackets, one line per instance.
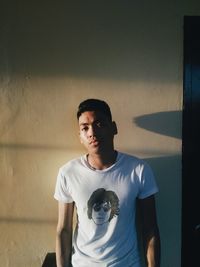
[62, 190]
[148, 184]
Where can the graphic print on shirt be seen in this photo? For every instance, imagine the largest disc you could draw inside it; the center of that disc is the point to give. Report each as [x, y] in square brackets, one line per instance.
[102, 206]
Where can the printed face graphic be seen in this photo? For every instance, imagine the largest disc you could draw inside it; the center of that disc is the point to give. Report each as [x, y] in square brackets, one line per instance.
[101, 212]
[102, 206]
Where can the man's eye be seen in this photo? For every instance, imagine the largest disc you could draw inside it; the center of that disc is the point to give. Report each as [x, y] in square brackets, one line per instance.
[84, 129]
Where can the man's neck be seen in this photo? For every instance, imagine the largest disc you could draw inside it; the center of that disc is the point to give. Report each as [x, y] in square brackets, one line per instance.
[102, 161]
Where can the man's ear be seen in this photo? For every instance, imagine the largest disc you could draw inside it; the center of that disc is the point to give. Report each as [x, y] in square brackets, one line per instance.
[114, 126]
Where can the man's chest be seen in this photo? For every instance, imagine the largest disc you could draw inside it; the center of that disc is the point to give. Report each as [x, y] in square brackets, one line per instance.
[98, 188]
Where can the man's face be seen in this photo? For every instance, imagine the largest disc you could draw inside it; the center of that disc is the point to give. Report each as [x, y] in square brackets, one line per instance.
[96, 131]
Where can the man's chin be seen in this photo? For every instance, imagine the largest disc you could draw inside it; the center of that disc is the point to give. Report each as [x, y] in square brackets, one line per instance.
[95, 148]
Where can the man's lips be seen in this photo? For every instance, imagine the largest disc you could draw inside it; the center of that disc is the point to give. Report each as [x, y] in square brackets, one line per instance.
[94, 142]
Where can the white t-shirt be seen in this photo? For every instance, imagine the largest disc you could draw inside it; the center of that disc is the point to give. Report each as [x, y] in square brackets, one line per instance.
[105, 200]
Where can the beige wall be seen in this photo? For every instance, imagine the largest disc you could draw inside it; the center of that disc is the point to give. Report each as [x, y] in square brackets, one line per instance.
[52, 57]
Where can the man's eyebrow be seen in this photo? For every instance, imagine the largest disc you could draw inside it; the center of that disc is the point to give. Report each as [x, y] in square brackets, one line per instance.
[83, 124]
[95, 121]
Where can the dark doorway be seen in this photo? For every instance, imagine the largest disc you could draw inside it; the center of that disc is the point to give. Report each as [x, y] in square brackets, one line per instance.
[191, 144]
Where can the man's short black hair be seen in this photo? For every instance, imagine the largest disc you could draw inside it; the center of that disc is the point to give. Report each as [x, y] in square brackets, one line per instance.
[94, 105]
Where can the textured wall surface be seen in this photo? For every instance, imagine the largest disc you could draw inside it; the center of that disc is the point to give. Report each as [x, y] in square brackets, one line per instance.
[54, 55]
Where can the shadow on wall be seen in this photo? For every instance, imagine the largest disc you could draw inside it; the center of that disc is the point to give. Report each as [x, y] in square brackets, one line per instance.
[165, 123]
[167, 171]
[168, 202]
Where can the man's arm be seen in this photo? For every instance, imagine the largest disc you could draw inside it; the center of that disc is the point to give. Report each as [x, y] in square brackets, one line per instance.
[64, 234]
[150, 231]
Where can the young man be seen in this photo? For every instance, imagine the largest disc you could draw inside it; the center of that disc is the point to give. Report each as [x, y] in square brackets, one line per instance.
[104, 185]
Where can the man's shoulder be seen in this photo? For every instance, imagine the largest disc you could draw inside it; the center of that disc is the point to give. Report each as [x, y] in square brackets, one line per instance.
[131, 158]
[71, 164]
[132, 162]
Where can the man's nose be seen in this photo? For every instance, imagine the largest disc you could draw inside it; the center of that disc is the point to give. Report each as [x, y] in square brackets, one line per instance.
[92, 131]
